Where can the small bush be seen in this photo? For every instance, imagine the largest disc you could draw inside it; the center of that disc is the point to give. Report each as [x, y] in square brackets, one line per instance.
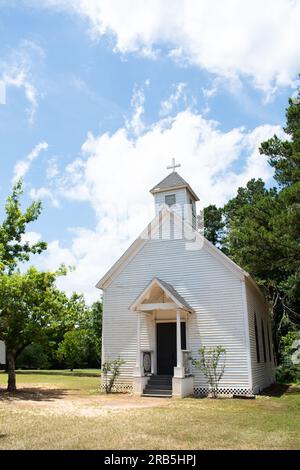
[288, 371]
[212, 363]
[110, 372]
[289, 374]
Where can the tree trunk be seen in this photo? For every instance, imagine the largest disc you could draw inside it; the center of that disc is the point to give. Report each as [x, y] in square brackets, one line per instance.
[11, 386]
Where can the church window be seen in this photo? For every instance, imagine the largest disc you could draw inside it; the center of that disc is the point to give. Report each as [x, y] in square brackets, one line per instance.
[263, 339]
[170, 199]
[269, 343]
[256, 340]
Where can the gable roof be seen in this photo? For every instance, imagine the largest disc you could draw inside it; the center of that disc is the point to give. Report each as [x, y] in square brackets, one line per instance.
[172, 181]
[153, 226]
[168, 289]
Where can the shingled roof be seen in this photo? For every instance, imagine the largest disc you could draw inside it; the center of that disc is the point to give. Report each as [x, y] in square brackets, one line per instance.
[172, 181]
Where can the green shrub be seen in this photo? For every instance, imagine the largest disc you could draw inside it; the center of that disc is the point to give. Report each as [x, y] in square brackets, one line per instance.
[288, 371]
[212, 363]
[110, 372]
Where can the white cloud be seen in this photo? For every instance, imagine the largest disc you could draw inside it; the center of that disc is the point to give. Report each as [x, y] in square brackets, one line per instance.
[16, 71]
[44, 193]
[168, 105]
[115, 173]
[52, 169]
[135, 123]
[22, 167]
[229, 38]
[213, 89]
[31, 237]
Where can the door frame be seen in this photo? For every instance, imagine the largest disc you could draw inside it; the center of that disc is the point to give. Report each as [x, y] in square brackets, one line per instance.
[183, 320]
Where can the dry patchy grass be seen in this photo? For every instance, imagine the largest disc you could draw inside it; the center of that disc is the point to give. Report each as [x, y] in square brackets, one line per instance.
[62, 412]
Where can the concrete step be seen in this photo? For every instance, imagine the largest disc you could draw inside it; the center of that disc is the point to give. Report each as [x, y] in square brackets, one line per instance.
[157, 395]
[161, 386]
[163, 377]
[159, 382]
[157, 391]
[158, 378]
[158, 386]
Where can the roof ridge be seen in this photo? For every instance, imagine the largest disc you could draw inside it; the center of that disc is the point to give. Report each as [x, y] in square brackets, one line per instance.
[173, 180]
[174, 177]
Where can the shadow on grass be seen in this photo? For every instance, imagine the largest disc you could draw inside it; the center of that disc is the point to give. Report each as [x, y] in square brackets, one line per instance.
[277, 390]
[35, 394]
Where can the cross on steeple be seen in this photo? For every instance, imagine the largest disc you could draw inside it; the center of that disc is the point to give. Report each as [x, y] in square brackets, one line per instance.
[173, 166]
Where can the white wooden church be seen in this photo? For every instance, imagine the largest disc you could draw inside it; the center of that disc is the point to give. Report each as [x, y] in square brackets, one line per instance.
[172, 292]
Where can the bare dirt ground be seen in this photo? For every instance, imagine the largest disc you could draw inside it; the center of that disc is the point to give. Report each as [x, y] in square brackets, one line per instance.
[51, 400]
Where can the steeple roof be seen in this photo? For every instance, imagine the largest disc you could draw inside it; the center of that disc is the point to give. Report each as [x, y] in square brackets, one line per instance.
[173, 181]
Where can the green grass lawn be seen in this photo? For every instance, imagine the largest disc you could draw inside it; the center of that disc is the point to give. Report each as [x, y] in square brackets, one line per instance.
[68, 412]
[84, 383]
[75, 372]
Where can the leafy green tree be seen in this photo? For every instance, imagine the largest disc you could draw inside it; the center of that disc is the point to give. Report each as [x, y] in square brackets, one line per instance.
[13, 250]
[284, 155]
[263, 227]
[260, 228]
[289, 369]
[73, 348]
[33, 356]
[262, 238]
[34, 314]
[12, 247]
[213, 224]
[80, 316]
[93, 325]
[30, 307]
[76, 315]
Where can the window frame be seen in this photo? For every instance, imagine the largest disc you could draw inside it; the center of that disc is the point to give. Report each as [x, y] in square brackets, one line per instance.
[170, 196]
[263, 340]
[256, 340]
[269, 342]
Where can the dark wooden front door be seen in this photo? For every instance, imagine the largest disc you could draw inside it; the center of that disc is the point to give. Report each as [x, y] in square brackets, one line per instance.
[166, 346]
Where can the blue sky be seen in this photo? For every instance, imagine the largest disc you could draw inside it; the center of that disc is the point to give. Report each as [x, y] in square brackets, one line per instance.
[100, 95]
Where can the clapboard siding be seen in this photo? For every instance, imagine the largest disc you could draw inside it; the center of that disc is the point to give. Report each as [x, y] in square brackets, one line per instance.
[211, 289]
[182, 207]
[181, 199]
[263, 373]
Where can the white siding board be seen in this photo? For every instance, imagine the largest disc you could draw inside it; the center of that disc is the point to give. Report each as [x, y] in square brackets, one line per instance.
[180, 195]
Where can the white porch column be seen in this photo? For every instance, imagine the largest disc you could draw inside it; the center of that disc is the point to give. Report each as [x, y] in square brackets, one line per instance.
[179, 370]
[154, 354]
[139, 380]
[138, 370]
[178, 338]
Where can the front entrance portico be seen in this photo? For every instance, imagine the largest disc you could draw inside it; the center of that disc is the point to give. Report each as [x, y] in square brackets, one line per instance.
[169, 356]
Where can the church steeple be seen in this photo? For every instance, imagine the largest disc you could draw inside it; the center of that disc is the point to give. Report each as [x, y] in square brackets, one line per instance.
[175, 192]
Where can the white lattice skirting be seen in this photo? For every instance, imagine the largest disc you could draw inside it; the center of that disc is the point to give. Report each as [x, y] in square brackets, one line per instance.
[119, 388]
[203, 391]
[198, 391]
